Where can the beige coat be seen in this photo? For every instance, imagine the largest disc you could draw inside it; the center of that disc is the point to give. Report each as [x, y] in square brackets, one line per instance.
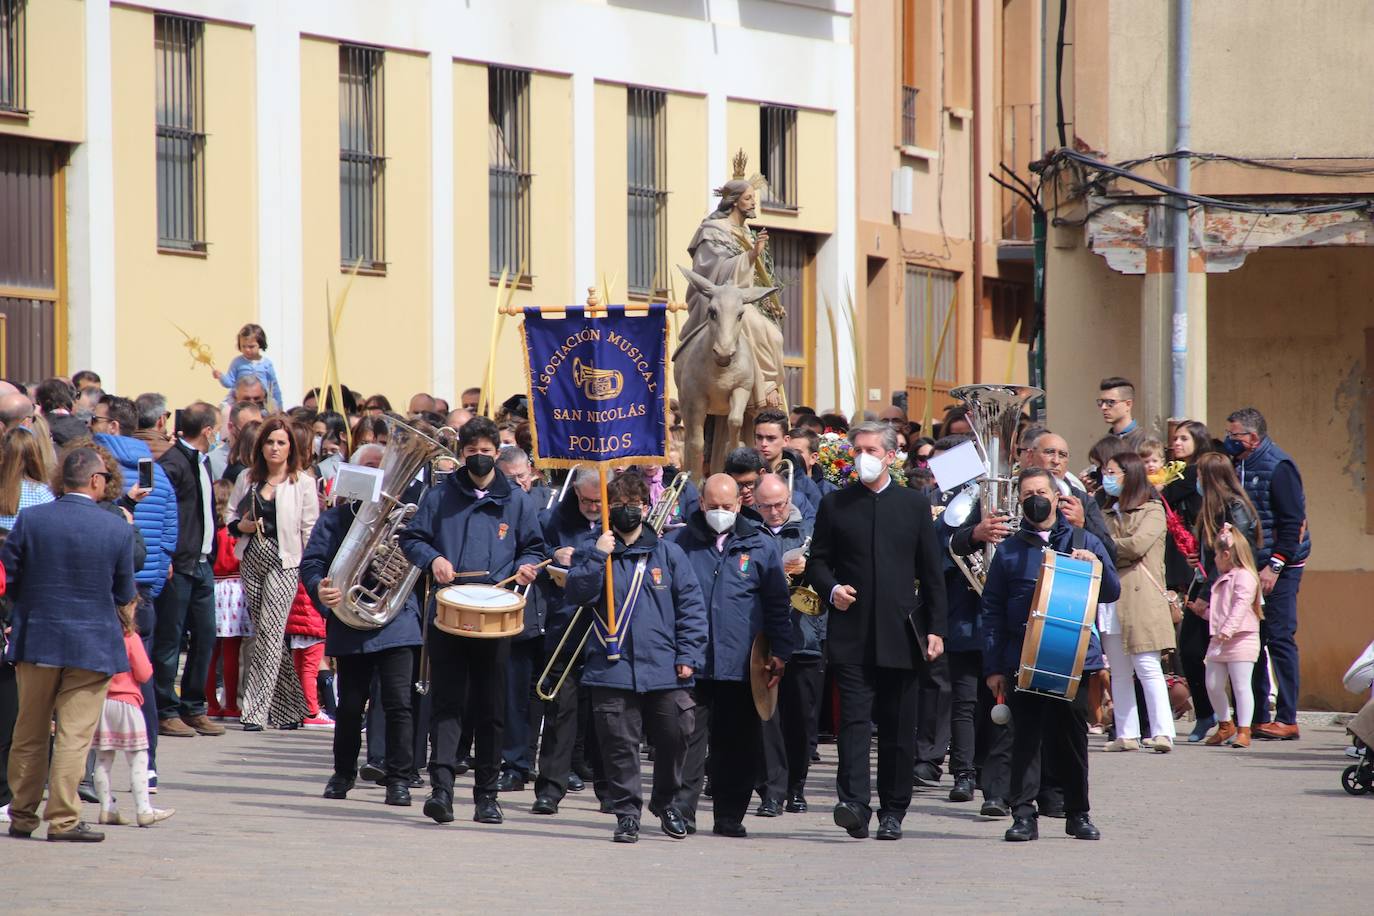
[298, 508]
[1143, 611]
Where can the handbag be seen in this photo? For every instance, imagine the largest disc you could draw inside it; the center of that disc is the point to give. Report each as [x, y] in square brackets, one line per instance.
[1171, 596]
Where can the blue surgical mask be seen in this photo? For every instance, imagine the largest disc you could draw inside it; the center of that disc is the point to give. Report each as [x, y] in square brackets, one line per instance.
[1198, 485]
[1112, 485]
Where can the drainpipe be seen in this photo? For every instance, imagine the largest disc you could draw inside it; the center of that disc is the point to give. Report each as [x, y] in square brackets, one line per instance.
[977, 138]
[1183, 28]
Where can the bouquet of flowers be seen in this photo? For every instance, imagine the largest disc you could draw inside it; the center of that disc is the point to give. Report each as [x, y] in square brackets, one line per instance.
[835, 456]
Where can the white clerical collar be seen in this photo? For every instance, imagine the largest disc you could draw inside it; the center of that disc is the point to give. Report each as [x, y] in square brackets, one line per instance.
[885, 485]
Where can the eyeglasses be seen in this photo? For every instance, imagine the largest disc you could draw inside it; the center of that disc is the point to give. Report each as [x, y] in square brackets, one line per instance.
[747, 485]
[1055, 453]
[771, 507]
[105, 474]
[1108, 402]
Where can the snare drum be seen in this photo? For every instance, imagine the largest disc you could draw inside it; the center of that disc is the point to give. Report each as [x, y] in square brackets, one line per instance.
[1061, 619]
[479, 611]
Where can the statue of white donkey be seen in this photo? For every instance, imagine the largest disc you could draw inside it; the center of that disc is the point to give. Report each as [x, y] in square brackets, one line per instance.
[714, 370]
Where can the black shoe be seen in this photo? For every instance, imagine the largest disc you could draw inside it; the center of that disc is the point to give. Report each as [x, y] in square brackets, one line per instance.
[81, 833]
[337, 787]
[1080, 827]
[1022, 830]
[852, 818]
[544, 805]
[729, 828]
[20, 834]
[371, 772]
[398, 794]
[815, 757]
[510, 781]
[464, 764]
[1054, 810]
[86, 791]
[606, 807]
[889, 827]
[672, 822]
[926, 774]
[769, 807]
[439, 806]
[488, 811]
[252, 727]
[626, 829]
[796, 803]
[994, 807]
[575, 783]
[963, 788]
[708, 791]
[416, 781]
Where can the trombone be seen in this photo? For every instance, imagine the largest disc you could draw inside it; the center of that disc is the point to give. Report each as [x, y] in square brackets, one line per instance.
[659, 514]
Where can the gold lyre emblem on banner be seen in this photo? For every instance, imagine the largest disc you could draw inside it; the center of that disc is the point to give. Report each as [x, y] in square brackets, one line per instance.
[597, 384]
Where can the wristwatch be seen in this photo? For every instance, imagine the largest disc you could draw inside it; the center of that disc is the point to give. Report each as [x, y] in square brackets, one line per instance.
[1276, 565]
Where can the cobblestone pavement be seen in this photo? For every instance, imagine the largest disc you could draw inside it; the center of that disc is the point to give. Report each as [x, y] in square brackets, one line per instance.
[1201, 829]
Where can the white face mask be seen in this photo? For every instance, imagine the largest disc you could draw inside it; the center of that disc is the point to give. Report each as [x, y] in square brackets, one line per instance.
[720, 520]
[869, 467]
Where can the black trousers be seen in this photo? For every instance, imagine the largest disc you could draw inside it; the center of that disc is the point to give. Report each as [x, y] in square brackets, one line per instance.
[887, 696]
[727, 729]
[970, 706]
[1192, 647]
[799, 699]
[771, 766]
[562, 739]
[472, 671]
[392, 668]
[9, 713]
[419, 721]
[933, 712]
[623, 719]
[523, 709]
[1052, 729]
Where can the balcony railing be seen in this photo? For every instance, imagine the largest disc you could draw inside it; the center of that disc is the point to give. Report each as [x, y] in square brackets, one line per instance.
[909, 115]
[1019, 128]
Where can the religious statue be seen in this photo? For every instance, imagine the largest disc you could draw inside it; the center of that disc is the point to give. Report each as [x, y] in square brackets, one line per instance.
[725, 251]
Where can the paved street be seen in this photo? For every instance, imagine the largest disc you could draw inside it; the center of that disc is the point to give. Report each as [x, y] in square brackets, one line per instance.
[1264, 830]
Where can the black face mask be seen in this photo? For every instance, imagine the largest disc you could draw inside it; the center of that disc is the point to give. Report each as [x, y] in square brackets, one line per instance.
[1036, 508]
[626, 518]
[479, 466]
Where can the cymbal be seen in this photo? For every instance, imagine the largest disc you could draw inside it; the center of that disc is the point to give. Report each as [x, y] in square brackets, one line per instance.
[765, 697]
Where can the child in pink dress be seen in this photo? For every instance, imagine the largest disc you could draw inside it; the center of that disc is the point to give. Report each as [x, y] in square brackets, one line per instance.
[1233, 615]
[121, 728]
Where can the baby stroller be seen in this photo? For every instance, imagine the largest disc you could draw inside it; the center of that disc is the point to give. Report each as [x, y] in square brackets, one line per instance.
[1358, 778]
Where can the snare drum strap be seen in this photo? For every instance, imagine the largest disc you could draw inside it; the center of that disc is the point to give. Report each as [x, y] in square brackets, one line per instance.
[627, 607]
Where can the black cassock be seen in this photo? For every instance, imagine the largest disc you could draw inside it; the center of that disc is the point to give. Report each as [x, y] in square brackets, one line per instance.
[882, 544]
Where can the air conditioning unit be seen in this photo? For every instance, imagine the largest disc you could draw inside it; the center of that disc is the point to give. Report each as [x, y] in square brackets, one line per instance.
[903, 189]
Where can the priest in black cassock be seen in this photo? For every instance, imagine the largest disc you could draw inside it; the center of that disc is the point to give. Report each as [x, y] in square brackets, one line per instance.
[874, 543]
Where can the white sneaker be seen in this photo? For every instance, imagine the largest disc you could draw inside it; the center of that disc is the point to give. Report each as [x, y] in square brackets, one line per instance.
[1351, 751]
[152, 782]
[1162, 744]
[1121, 744]
[4, 814]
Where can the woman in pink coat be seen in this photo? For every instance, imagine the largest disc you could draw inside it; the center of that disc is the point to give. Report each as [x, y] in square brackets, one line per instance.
[1233, 618]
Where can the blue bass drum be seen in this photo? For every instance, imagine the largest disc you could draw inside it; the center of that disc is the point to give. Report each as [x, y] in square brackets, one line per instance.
[1061, 618]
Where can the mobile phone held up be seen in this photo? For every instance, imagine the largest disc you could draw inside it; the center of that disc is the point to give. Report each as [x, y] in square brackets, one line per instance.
[145, 473]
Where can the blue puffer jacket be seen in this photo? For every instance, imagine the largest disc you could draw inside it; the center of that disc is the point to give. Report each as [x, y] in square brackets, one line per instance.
[1010, 588]
[155, 516]
[1282, 514]
[745, 592]
[808, 633]
[668, 626]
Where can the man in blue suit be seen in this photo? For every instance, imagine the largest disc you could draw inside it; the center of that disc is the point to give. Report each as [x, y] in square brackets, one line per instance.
[69, 563]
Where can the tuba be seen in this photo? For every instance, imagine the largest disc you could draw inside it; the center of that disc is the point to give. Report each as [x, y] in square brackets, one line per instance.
[370, 569]
[993, 414]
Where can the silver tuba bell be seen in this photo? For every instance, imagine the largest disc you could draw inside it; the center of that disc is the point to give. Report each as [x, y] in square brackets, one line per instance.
[993, 414]
[370, 569]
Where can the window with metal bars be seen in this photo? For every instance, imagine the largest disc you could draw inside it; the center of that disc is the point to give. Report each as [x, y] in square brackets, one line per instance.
[909, 115]
[647, 157]
[362, 158]
[793, 273]
[508, 174]
[12, 45]
[929, 298]
[179, 43]
[778, 152]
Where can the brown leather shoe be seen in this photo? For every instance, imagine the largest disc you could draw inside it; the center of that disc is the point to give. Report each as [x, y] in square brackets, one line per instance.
[1224, 731]
[203, 725]
[1276, 731]
[1242, 737]
[175, 728]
